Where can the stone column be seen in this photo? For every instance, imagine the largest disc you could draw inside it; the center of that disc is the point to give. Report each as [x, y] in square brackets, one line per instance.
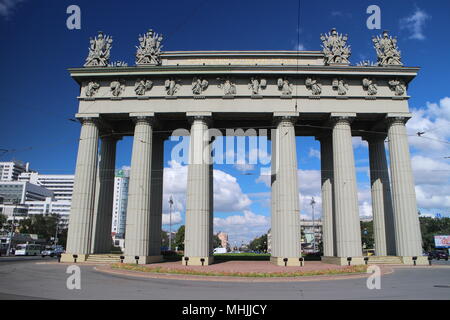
[83, 199]
[348, 232]
[274, 182]
[383, 220]
[406, 219]
[139, 222]
[157, 192]
[199, 203]
[326, 160]
[104, 194]
[286, 236]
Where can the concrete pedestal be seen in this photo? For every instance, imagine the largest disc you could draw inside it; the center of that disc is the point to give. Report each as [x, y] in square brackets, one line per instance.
[198, 261]
[289, 262]
[143, 259]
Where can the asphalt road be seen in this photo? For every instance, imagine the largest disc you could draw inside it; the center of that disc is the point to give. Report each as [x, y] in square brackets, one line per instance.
[25, 279]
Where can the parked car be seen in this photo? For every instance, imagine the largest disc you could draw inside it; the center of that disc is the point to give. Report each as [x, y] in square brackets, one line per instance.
[438, 255]
[51, 251]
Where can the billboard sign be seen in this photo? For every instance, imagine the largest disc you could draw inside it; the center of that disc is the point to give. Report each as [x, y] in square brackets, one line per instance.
[442, 241]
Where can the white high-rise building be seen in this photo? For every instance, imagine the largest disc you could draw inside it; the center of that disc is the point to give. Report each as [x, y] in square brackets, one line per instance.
[9, 171]
[120, 201]
[62, 187]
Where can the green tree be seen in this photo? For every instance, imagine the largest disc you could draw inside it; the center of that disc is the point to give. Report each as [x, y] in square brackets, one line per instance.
[367, 239]
[179, 238]
[431, 227]
[3, 220]
[259, 243]
[216, 241]
[42, 225]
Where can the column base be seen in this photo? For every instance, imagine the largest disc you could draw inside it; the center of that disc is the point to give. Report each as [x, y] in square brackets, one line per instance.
[291, 261]
[68, 257]
[342, 261]
[143, 259]
[421, 261]
[197, 261]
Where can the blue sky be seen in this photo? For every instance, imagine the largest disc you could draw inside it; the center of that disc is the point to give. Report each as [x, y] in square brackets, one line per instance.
[38, 96]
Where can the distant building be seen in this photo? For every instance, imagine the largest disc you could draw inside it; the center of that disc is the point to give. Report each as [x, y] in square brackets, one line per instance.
[18, 194]
[120, 202]
[62, 187]
[223, 239]
[10, 171]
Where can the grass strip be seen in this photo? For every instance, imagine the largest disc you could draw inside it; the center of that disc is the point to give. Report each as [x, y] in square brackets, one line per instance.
[141, 268]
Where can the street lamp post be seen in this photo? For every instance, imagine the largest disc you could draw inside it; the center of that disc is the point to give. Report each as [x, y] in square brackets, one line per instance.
[313, 202]
[170, 223]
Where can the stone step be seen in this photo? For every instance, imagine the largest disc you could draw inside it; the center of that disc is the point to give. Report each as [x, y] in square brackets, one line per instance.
[384, 260]
[104, 258]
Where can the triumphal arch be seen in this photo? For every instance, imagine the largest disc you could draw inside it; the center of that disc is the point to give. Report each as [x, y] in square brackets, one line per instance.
[297, 93]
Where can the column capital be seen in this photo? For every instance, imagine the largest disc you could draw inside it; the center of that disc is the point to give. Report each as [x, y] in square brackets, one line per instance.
[396, 120]
[88, 120]
[342, 117]
[148, 117]
[279, 117]
[199, 116]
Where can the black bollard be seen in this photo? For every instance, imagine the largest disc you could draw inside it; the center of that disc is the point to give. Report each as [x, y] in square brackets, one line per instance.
[137, 259]
[121, 259]
[349, 260]
[186, 259]
[285, 261]
[202, 260]
[75, 257]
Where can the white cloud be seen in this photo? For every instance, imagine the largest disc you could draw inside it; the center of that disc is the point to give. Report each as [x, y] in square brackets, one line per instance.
[7, 7]
[314, 153]
[434, 121]
[175, 216]
[415, 24]
[242, 228]
[228, 196]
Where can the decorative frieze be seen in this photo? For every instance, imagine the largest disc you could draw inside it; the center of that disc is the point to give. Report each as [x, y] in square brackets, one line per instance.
[256, 85]
[398, 86]
[91, 89]
[172, 86]
[341, 86]
[314, 86]
[370, 86]
[117, 87]
[141, 86]
[229, 87]
[285, 86]
[199, 85]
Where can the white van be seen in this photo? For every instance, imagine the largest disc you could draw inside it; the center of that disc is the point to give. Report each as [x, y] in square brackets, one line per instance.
[220, 250]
